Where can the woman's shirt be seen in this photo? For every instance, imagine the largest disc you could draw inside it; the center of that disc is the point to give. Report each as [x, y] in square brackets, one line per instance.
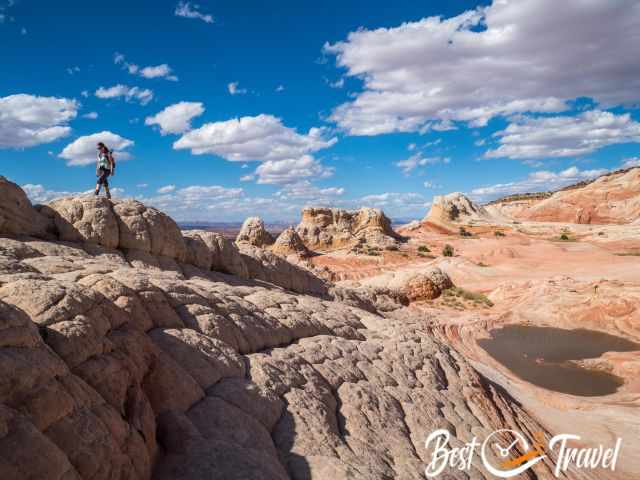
[103, 161]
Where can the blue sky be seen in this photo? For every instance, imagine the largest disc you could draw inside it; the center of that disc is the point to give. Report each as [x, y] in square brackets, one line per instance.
[272, 106]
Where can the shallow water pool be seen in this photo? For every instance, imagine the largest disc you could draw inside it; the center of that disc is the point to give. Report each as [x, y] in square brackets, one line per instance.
[542, 355]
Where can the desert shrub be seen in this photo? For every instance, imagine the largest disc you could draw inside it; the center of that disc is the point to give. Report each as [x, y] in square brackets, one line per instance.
[564, 237]
[447, 251]
[424, 249]
[475, 297]
[392, 248]
[498, 233]
[464, 232]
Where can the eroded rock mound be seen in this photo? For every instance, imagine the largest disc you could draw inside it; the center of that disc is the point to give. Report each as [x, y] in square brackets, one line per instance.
[456, 208]
[120, 369]
[290, 243]
[411, 285]
[17, 215]
[331, 228]
[253, 232]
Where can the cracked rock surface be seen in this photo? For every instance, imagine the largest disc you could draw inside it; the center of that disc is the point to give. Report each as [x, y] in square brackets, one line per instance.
[115, 365]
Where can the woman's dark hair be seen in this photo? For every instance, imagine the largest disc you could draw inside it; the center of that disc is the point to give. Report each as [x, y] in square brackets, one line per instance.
[102, 145]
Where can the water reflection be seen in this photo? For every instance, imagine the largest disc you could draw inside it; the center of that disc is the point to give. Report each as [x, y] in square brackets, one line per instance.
[541, 355]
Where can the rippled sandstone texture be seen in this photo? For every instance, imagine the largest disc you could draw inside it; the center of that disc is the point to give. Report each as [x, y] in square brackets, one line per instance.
[126, 353]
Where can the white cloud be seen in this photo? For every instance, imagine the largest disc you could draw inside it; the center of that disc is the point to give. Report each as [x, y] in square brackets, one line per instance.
[90, 115]
[397, 204]
[73, 70]
[291, 170]
[176, 118]
[142, 185]
[429, 184]
[280, 88]
[565, 136]
[28, 120]
[143, 96]
[539, 181]
[157, 71]
[234, 90]
[38, 194]
[82, 151]
[186, 10]
[261, 138]
[417, 160]
[510, 57]
[166, 189]
[631, 162]
[85, 93]
[337, 84]
[195, 202]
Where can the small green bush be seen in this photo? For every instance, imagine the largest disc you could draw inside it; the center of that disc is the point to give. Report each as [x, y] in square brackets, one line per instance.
[423, 249]
[447, 251]
[498, 233]
[465, 233]
[564, 237]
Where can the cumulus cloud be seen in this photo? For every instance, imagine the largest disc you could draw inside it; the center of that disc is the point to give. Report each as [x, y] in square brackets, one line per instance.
[82, 151]
[540, 181]
[187, 10]
[176, 118]
[291, 170]
[234, 89]
[199, 202]
[260, 138]
[166, 189]
[397, 203]
[143, 96]
[157, 71]
[38, 194]
[503, 59]
[418, 160]
[560, 136]
[631, 162]
[90, 115]
[28, 120]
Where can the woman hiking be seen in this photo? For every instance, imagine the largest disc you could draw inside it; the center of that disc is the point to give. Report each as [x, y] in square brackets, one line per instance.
[105, 166]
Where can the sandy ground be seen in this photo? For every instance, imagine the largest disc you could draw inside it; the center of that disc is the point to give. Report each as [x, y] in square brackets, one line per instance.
[591, 280]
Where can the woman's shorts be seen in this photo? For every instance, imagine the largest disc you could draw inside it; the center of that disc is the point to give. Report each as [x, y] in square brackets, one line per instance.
[103, 175]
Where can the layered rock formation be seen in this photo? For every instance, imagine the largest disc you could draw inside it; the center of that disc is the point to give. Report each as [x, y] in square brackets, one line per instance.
[410, 285]
[326, 229]
[123, 355]
[611, 199]
[456, 208]
[290, 243]
[253, 232]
